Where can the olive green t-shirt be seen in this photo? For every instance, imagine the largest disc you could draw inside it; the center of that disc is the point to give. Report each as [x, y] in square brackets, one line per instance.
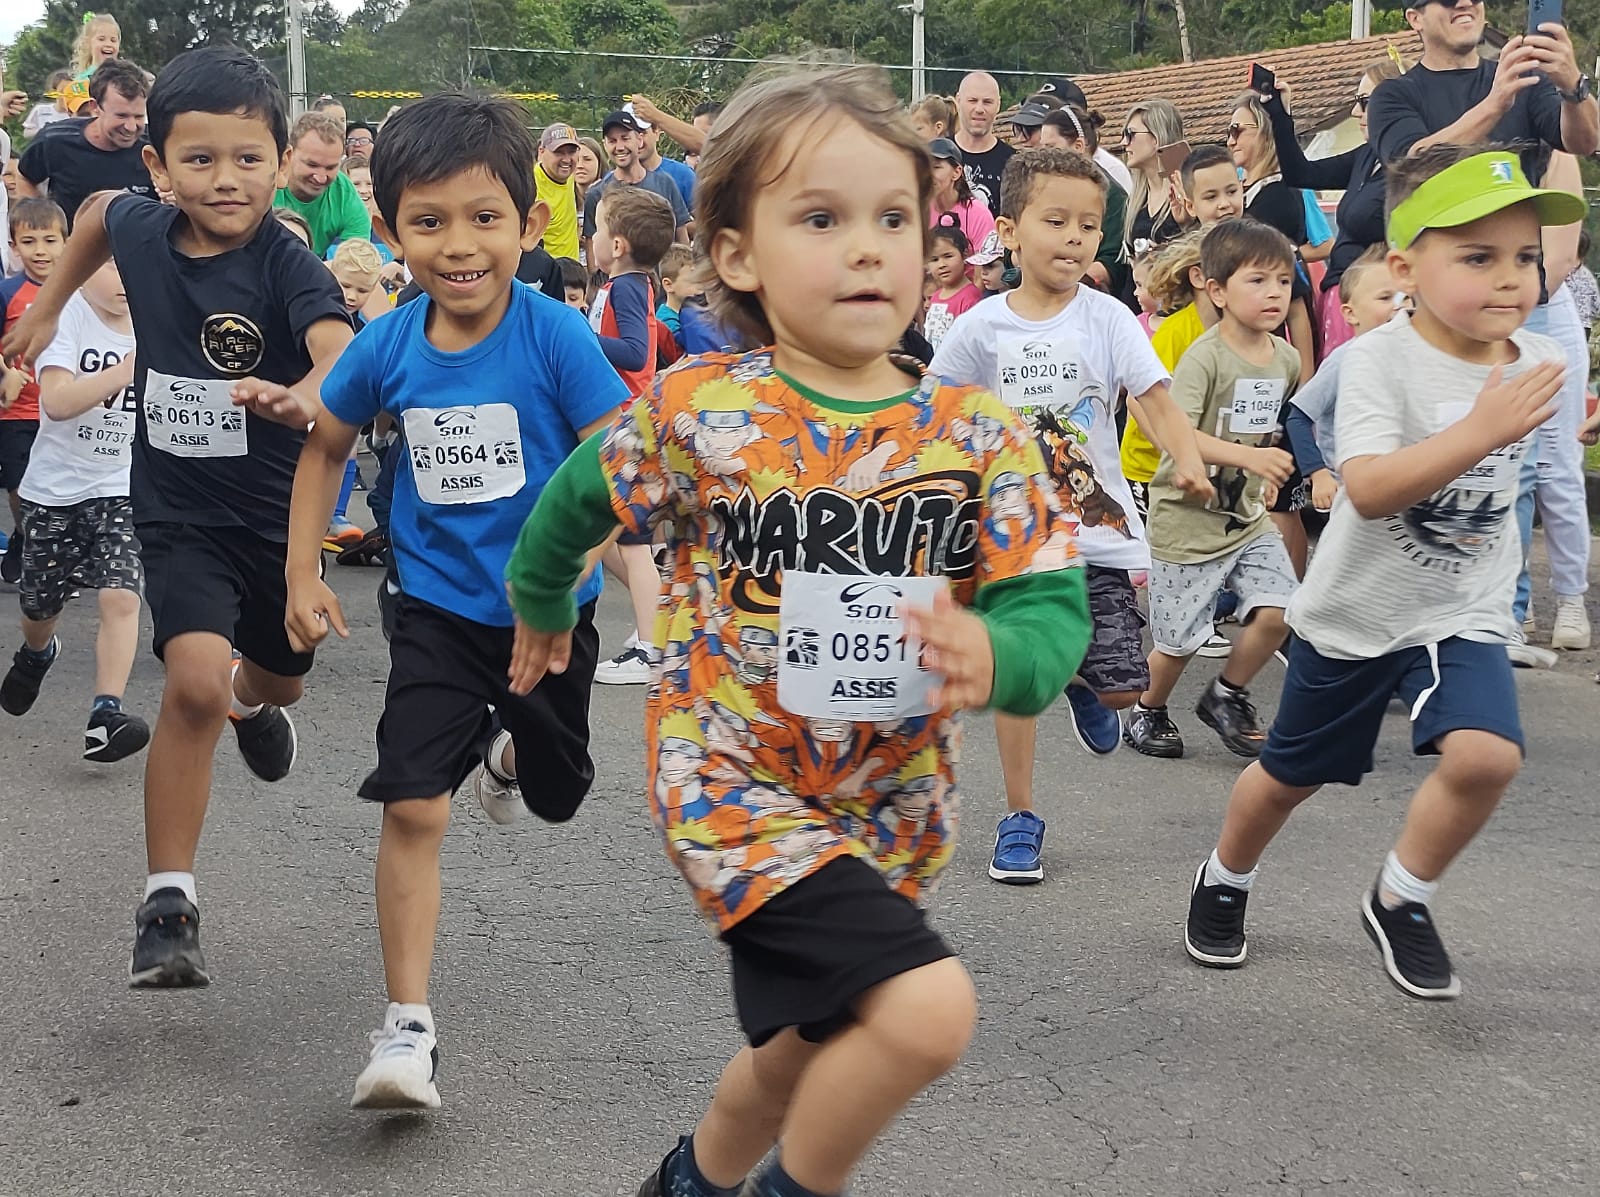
[1234, 400]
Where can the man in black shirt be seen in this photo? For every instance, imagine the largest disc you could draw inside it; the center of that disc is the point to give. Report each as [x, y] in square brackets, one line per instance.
[104, 152]
[982, 153]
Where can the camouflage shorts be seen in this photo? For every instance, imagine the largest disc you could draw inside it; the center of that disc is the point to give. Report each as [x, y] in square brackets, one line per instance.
[89, 544]
[1116, 662]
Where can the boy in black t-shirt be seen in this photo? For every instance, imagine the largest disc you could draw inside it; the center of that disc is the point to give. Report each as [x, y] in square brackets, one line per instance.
[230, 310]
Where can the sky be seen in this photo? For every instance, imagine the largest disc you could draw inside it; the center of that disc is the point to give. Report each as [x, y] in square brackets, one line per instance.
[15, 14]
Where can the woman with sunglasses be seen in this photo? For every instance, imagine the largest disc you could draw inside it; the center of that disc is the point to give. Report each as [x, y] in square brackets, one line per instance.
[1358, 172]
[1151, 220]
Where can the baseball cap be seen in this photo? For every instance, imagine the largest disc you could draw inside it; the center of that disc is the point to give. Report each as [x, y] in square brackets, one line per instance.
[75, 95]
[624, 118]
[1471, 189]
[943, 147]
[990, 251]
[1065, 90]
[558, 135]
[1029, 115]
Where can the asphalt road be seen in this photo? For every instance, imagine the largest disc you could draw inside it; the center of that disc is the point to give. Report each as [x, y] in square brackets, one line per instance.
[584, 1012]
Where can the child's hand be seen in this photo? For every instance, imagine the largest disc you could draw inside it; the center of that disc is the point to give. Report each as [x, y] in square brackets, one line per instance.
[1323, 490]
[1193, 482]
[311, 611]
[1505, 412]
[534, 654]
[14, 380]
[1589, 434]
[1275, 465]
[275, 402]
[29, 336]
[956, 643]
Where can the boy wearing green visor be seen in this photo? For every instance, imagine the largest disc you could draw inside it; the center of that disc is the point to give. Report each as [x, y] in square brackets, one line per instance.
[1409, 594]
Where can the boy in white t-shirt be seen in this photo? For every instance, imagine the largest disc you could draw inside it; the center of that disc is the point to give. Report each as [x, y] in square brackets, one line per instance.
[77, 518]
[1408, 592]
[1063, 354]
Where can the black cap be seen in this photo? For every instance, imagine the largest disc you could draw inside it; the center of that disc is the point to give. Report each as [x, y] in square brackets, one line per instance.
[626, 119]
[1065, 90]
[1029, 115]
[943, 147]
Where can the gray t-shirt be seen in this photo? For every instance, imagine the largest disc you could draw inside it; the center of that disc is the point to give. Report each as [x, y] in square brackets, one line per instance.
[1235, 400]
[1317, 399]
[1443, 567]
[654, 180]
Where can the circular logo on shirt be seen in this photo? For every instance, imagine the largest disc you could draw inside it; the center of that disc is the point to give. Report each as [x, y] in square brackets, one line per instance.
[232, 343]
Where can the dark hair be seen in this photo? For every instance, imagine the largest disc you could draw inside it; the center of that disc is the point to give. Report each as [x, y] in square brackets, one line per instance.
[706, 108]
[120, 75]
[641, 218]
[1233, 244]
[948, 228]
[1203, 157]
[445, 134]
[36, 212]
[1075, 124]
[572, 273]
[352, 126]
[1044, 162]
[1403, 176]
[216, 79]
[1374, 255]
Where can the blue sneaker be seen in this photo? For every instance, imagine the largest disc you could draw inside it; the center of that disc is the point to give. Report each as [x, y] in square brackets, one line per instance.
[1017, 845]
[1097, 727]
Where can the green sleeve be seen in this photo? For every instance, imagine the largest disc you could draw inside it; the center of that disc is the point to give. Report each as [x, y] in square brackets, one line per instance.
[1039, 627]
[571, 517]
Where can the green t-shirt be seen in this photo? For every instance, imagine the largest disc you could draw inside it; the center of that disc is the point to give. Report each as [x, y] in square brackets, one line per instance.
[335, 215]
[1233, 400]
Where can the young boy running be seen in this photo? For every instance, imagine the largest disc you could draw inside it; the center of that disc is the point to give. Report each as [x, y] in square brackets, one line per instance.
[1232, 384]
[1408, 592]
[1062, 354]
[494, 384]
[229, 309]
[38, 231]
[799, 743]
[77, 518]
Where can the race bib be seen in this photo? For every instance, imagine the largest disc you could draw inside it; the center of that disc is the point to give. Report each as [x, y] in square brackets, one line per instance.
[845, 654]
[193, 417]
[597, 310]
[1256, 403]
[106, 434]
[465, 454]
[1496, 472]
[1039, 373]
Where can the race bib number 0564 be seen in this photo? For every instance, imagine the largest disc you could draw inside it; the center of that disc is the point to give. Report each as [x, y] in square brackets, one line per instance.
[465, 454]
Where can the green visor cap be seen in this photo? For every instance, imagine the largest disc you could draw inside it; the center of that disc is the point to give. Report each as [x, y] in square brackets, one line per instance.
[1472, 189]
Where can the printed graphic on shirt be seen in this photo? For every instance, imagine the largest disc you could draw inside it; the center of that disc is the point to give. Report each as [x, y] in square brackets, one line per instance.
[858, 511]
[231, 343]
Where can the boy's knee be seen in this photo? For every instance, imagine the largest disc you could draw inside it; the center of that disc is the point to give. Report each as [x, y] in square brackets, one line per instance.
[1269, 619]
[926, 1017]
[417, 817]
[119, 604]
[198, 699]
[1480, 760]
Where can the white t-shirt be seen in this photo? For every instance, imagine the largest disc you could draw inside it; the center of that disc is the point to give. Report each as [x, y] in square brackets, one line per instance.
[8, 264]
[86, 457]
[1115, 167]
[1066, 375]
[1443, 567]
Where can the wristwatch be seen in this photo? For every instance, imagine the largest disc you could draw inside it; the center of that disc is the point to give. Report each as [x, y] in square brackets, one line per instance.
[1581, 92]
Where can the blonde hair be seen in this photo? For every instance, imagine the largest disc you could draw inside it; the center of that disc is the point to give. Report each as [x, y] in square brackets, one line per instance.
[1169, 281]
[1166, 126]
[1266, 147]
[83, 48]
[1384, 69]
[940, 110]
[289, 218]
[359, 255]
[740, 159]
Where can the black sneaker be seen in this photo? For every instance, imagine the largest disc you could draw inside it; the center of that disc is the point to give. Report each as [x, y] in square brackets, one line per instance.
[1233, 717]
[113, 734]
[1413, 954]
[1152, 732]
[1214, 935]
[22, 681]
[11, 563]
[656, 1184]
[267, 742]
[166, 946]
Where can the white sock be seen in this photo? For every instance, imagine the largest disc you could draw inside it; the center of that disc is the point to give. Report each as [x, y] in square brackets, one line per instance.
[1396, 886]
[183, 881]
[1219, 874]
[401, 1013]
[631, 642]
[237, 709]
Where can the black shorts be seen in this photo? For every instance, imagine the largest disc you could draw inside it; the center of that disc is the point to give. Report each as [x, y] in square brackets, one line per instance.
[804, 957]
[223, 580]
[89, 544]
[16, 442]
[1116, 661]
[1293, 495]
[444, 674]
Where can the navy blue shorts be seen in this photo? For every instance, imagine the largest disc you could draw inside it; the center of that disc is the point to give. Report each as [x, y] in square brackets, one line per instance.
[1331, 711]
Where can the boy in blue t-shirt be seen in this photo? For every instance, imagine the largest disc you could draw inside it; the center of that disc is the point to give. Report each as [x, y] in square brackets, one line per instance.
[493, 385]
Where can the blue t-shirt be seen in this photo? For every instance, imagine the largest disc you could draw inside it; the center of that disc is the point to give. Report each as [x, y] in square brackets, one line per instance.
[483, 431]
[682, 174]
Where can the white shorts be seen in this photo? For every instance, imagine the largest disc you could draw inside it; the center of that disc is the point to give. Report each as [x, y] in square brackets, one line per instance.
[1183, 597]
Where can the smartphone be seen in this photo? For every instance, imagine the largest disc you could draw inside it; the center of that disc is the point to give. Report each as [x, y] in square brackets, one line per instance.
[1264, 82]
[1543, 12]
[1170, 158]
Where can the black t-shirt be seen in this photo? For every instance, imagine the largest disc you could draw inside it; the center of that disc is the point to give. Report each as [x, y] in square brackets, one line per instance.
[1421, 102]
[1281, 206]
[75, 169]
[983, 173]
[201, 324]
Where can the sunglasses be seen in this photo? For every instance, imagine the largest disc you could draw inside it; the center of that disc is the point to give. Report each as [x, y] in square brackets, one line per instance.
[1362, 102]
[1130, 134]
[1237, 131]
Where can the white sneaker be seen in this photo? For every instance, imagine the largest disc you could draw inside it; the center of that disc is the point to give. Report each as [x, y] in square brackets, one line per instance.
[399, 1075]
[1530, 625]
[1571, 629]
[631, 667]
[1218, 646]
[1527, 656]
[501, 800]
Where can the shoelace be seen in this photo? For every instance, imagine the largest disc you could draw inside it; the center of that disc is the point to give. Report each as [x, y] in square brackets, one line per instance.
[1240, 701]
[405, 1039]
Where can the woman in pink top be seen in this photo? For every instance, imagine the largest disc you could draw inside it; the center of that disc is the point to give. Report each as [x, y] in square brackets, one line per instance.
[952, 195]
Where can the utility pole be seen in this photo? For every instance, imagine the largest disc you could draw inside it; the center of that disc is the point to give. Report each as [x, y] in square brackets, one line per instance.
[1360, 19]
[919, 53]
[297, 61]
